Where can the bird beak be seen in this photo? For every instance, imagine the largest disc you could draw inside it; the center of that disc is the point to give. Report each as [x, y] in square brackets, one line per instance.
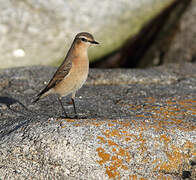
[94, 42]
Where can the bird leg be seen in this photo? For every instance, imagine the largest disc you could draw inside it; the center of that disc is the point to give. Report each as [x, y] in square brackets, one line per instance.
[62, 107]
[76, 115]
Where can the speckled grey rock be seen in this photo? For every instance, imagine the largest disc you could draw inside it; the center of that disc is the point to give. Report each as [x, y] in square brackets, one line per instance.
[183, 47]
[39, 32]
[133, 124]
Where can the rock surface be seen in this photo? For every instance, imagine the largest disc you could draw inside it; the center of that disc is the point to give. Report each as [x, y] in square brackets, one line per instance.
[167, 38]
[183, 47]
[133, 124]
[39, 32]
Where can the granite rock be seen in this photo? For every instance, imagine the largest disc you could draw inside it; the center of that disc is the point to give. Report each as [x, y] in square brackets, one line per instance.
[40, 32]
[183, 46]
[133, 124]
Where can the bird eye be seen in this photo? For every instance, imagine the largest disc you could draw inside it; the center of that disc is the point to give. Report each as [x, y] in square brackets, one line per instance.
[83, 39]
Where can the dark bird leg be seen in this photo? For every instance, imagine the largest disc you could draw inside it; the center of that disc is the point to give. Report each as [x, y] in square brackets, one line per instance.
[76, 115]
[62, 107]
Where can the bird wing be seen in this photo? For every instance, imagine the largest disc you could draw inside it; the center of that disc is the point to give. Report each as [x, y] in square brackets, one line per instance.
[59, 75]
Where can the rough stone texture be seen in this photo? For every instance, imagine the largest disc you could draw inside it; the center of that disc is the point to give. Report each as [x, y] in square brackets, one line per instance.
[39, 32]
[134, 124]
[183, 47]
[160, 41]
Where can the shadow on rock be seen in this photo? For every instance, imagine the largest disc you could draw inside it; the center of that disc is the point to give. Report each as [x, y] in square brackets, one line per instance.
[23, 116]
[8, 101]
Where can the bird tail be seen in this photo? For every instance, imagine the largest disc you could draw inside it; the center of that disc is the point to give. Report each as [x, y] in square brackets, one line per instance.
[42, 94]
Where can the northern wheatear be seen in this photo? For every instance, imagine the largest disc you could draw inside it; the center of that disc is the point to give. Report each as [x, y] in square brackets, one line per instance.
[73, 71]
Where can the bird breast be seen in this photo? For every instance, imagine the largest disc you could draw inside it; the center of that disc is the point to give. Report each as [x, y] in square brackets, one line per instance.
[80, 70]
[76, 77]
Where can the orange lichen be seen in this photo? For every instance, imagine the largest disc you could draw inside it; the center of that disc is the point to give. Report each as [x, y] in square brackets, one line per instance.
[121, 152]
[116, 163]
[114, 158]
[169, 113]
[124, 132]
[132, 135]
[111, 124]
[115, 132]
[177, 121]
[77, 125]
[125, 125]
[104, 156]
[112, 174]
[97, 124]
[140, 115]
[102, 140]
[106, 133]
[127, 139]
[111, 143]
[175, 159]
[133, 177]
[114, 149]
[70, 120]
[124, 167]
[163, 177]
[189, 145]
[165, 139]
[157, 115]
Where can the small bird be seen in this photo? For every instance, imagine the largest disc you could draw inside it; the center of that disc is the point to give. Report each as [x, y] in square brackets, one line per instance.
[73, 71]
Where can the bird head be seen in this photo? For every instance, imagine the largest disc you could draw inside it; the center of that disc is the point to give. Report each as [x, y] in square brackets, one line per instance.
[85, 39]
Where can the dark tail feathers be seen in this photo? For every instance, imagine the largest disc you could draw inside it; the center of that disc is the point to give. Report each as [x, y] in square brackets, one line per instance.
[40, 94]
[37, 99]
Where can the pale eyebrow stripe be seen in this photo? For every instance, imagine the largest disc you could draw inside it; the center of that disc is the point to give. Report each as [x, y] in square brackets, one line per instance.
[87, 40]
[83, 37]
